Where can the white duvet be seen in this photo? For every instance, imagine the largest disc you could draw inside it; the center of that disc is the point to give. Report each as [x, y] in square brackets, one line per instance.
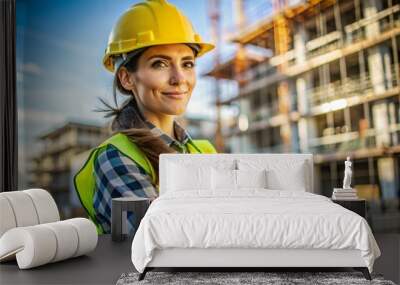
[253, 218]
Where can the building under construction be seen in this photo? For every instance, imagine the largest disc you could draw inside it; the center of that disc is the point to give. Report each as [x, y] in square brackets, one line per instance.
[329, 86]
[51, 168]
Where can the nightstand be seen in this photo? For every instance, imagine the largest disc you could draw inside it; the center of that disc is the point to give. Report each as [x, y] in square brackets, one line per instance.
[120, 207]
[358, 206]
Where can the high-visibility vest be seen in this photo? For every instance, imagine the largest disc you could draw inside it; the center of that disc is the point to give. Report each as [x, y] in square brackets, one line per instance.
[84, 180]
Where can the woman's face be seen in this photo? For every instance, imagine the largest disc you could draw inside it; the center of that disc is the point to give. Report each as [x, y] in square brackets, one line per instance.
[165, 78]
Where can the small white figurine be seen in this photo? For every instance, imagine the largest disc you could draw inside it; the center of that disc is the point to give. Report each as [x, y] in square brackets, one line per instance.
[347, 174]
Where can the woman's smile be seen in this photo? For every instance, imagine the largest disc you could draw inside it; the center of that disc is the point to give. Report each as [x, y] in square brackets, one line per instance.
[175, 94]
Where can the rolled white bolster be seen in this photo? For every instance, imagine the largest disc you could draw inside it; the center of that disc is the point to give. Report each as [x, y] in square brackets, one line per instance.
[87, 235]
[67, 240]
[45, 205]
[7, 218]
[40, 244]
[23, 208]
[33, 246]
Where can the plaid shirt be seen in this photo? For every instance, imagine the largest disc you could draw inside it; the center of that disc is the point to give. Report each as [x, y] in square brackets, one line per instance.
[116, 175]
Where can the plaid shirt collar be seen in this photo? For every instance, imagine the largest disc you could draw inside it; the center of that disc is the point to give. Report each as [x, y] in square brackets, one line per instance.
[181, 134]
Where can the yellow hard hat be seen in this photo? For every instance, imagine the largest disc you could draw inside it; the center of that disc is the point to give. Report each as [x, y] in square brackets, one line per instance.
[149, 23]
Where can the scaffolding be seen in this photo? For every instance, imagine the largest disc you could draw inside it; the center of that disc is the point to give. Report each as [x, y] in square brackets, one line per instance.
[214, 14]
[330, 87]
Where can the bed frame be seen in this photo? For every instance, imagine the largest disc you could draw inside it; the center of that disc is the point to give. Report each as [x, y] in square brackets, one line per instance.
[241, 259]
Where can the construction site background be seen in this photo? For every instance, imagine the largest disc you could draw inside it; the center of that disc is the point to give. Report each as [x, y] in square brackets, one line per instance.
[311, 76]
[321, 77]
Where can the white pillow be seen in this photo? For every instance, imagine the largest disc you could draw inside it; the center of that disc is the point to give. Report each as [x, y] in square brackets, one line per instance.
[293, 178]
[183, 177]
[223, 179]
[281, 174]
[222, 164]
[251, 178]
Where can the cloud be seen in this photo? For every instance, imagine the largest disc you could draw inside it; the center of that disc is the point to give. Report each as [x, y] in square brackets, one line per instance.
[20, 77]
[57, 42]
[33, 121]
[31, 68]
[32, 115]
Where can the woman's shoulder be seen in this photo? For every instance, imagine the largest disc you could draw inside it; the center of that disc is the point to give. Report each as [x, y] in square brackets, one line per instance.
[106, 153]
[114, 170]
[111, 158]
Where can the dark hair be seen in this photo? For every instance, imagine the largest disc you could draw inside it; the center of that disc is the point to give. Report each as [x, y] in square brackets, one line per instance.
[129, 120]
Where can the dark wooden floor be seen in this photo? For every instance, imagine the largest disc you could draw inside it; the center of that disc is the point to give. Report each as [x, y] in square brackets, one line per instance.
[110, 260]
[389, 262]
[102, 266]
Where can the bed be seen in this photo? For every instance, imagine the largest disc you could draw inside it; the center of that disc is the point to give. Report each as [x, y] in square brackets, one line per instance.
[247, 210]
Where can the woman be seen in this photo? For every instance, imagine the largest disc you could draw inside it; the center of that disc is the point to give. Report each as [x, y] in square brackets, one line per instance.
[151, 51]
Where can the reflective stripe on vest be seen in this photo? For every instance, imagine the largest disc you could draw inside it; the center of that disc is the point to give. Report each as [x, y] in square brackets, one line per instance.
[84, 181]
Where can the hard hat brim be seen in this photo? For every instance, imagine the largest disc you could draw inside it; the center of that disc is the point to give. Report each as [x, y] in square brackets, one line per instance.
[109, 64]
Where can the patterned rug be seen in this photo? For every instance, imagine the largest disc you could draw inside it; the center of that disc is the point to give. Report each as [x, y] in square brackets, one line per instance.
[229, 278]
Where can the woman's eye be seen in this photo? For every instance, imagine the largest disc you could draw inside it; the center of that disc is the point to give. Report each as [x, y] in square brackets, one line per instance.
[189, 64]
[159, 64]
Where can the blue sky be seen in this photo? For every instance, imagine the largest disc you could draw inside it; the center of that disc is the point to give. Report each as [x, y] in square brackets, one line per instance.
[60, 45]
